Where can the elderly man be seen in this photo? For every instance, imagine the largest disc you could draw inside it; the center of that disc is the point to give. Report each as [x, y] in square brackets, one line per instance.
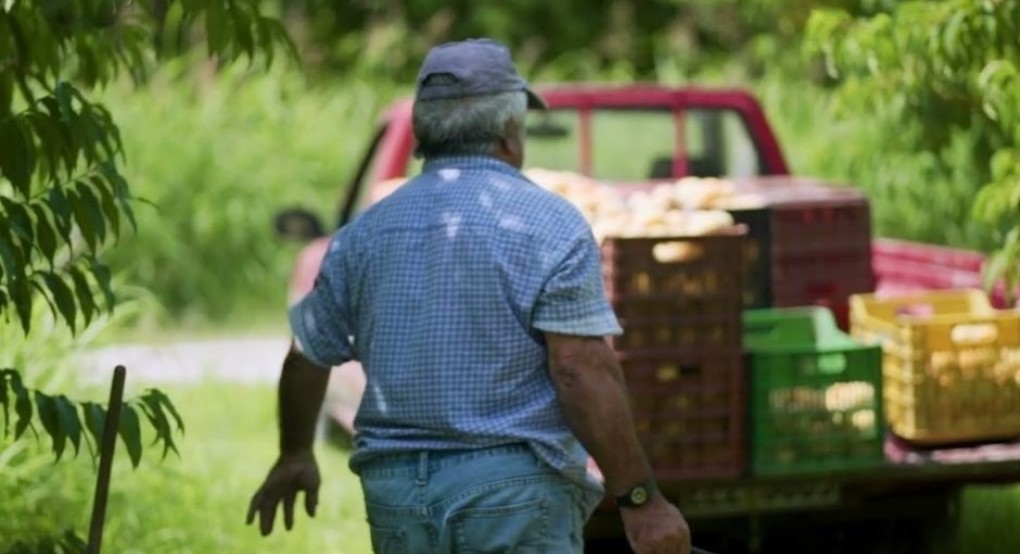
[474, 301]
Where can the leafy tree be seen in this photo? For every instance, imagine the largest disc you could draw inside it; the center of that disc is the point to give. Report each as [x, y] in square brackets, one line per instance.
[63, 199]
[944, 68]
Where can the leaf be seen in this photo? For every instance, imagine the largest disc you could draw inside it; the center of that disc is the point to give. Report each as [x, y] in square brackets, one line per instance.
[63, 297]
[215, 23]
[73, 543]
[154, 411]
[63, 93]
[242, 34]
[98, 131]
[70, 150]
[994, 268]
[22, 406]
[165, 401]
[16, 155]
[67, 414]
[20, 221]
[51, 139]
[83, 292]
[60, 206]
[50, 419]
[46, 238]
[103, 277]
[5, 402]
[21, 293]
[95, 421]
[108, 204]
[121, 190]
[130, 432]
[44, 293]
[83, 217]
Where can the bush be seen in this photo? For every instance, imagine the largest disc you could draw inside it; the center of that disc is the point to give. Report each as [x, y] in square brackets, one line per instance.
[217, 155]
[912, 196]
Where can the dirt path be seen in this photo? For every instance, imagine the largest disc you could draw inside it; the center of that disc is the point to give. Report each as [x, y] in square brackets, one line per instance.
[241, 360]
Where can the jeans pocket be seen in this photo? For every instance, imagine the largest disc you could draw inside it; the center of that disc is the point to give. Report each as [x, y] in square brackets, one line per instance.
[515, 529]
[388, 540]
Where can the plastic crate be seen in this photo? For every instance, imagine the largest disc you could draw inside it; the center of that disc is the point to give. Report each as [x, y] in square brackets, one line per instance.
[757, 256]
[690, 412]
[815, 393]
[690, 303]
[810, 244]
[951, 364]
[822, 290]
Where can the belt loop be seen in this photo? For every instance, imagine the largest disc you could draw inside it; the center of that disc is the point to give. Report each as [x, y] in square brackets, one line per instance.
[423, 468]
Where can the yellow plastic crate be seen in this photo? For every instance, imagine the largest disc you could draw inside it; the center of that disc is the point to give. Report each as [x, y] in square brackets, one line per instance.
[950, 364]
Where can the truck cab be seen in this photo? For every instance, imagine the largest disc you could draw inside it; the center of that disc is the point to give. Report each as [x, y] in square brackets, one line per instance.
[629, 135]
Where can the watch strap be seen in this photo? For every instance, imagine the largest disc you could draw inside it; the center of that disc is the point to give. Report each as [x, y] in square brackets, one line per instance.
[636, 496]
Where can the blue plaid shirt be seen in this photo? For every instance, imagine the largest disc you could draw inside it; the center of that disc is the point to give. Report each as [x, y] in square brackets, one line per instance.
[443, 291]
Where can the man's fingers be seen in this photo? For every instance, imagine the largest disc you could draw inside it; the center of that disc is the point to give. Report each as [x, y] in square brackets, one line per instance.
[311, 501]
[252, 507]
[267, 513]
[288, 509]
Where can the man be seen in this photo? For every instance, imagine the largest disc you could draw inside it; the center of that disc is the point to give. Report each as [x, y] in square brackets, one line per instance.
[474, 301]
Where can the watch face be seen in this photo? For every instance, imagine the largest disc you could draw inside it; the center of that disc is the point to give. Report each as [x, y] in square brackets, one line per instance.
[638, 495]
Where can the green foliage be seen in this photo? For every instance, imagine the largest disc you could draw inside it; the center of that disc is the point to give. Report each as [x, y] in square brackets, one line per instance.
[194, 503]
[67, 543]
[63, 198]
[579, 38]
[941, 70]
[66, 420]
[62, 195]
[217, 156]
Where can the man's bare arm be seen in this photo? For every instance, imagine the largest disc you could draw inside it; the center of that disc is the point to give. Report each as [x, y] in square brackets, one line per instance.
[302, 389]
[593, 396]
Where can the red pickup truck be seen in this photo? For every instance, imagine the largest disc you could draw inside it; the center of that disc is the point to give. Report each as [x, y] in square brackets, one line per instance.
[634, 135]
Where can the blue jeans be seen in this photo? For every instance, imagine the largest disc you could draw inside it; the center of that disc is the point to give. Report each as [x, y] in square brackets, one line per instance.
[502, 499]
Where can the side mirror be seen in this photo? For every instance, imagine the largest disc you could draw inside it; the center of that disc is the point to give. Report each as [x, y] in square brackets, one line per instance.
[299, 225]
[546, 129]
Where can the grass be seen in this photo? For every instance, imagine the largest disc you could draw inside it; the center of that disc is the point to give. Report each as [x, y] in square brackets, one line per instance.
[988, 520]
[193, 504]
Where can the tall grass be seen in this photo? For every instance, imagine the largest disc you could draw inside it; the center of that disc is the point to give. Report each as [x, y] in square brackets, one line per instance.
[194, 504]
[217, 156]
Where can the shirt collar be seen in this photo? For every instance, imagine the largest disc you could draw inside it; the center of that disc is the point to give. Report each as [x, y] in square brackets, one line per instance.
[470, 162]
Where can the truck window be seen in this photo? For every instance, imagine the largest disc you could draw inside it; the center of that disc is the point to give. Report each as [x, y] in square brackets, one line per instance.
[553, 140]
[632, 145]
[639, 144]
[719, 144]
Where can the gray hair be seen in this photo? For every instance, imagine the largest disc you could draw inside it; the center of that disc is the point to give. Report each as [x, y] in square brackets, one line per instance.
[465, 126]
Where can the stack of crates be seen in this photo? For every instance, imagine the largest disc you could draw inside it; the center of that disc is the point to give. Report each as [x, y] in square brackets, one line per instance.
[810, 245]
[815, 394]
[681, 350]
[951, 364]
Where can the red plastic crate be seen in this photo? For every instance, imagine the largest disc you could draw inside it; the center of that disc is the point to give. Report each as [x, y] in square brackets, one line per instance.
[821, 251]
[821, 224]
[690, 410]
[694, 303]
[826, 279]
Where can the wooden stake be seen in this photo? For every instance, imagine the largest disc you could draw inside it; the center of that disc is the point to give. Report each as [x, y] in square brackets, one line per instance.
[106, 451]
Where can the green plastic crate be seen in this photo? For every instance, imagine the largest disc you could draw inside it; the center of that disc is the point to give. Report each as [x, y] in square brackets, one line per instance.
[816, 393]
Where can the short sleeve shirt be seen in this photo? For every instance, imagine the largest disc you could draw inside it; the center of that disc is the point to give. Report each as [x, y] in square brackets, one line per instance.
[443, 291]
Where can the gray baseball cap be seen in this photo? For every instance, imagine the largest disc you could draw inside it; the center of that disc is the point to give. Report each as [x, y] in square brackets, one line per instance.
[469, 68]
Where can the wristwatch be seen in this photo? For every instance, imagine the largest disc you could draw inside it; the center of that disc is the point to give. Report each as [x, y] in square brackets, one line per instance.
[637, 496]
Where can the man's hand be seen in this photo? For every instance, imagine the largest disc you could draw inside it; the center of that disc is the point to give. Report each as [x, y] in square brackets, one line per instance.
[657, 528]
[291, 474]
